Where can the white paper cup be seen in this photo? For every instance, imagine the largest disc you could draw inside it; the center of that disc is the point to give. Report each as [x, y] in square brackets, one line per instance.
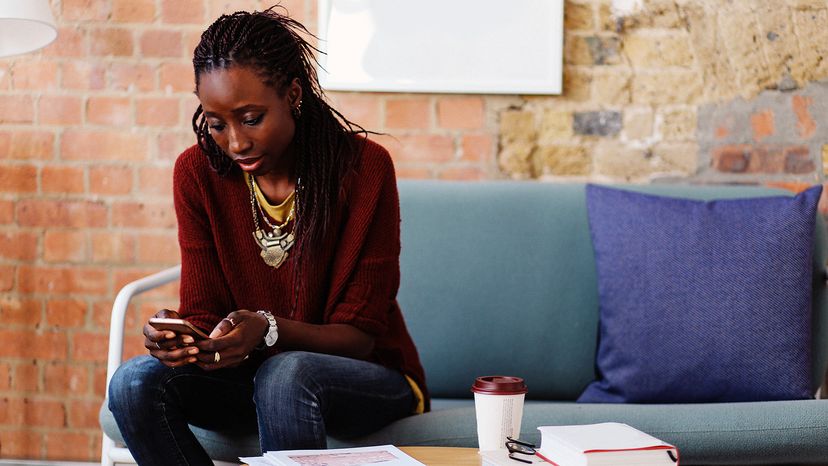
[498, 407]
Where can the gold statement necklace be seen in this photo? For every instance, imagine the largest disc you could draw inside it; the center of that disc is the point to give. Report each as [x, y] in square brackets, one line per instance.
[274, 244]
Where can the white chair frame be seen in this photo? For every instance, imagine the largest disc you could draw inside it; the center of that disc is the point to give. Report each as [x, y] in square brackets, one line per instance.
[111, 453]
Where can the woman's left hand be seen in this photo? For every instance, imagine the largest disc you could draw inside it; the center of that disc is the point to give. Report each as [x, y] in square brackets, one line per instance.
[235, 337]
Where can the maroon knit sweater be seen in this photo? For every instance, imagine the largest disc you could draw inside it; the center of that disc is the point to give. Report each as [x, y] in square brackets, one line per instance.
[352, 278]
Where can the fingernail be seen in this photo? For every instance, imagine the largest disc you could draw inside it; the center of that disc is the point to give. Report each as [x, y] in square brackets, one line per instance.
[169, 335]
[193, 351]
[188, 339]
[191, 360]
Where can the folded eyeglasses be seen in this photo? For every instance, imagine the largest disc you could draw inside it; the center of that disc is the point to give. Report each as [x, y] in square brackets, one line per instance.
[516, 447]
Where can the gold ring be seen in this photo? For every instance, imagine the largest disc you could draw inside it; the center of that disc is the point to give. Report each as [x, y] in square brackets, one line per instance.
[157, 345]
[217, 357]
[232, 322]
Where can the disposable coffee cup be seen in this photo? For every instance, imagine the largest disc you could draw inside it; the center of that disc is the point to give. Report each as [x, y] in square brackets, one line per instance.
[498, 407]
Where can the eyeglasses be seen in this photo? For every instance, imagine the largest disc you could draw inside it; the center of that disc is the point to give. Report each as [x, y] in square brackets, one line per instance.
[516, 447]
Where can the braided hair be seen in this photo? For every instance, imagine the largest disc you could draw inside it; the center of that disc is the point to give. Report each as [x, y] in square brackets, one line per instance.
[270, 43]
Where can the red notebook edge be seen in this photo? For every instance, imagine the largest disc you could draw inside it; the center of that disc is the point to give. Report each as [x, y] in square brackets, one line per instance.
[656, 447]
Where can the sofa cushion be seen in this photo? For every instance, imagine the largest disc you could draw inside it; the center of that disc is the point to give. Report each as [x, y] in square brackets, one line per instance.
[702, 301]
[503, 271]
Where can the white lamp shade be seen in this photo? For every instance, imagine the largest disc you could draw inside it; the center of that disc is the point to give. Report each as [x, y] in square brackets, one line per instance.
[25, 25]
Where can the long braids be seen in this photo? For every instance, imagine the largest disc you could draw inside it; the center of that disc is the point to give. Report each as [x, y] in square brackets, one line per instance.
[271, 44]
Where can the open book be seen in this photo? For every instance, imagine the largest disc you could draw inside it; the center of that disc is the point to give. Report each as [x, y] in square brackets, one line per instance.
[605, 444]
[383, 455]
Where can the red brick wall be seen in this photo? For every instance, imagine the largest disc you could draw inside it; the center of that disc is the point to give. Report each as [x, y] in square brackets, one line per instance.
[89, 129]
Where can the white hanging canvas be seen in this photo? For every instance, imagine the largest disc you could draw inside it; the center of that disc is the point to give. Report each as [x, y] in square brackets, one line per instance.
[451, 46]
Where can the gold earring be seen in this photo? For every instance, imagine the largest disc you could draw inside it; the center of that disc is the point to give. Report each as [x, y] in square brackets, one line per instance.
[297, 111]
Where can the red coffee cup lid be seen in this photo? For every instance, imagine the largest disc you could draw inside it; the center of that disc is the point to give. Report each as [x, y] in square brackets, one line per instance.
[499, 385]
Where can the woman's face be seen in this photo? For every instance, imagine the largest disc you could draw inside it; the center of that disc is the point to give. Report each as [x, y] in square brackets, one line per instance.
[249, 120]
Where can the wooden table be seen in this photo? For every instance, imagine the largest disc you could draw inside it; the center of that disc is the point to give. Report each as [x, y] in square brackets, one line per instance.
[444, 456]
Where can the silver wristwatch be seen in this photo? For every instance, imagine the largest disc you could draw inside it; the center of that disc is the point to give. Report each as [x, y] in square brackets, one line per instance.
[273, 330]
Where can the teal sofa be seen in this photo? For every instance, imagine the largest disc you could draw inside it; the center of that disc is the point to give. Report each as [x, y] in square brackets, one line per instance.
[499, 278]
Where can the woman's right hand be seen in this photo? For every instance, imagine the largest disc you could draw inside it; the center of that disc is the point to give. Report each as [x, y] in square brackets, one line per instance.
[172, 349]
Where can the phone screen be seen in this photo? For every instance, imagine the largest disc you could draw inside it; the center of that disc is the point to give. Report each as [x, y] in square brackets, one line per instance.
[180, 326]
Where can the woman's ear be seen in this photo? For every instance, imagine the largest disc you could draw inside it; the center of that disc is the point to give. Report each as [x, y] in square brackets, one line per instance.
[295, 93]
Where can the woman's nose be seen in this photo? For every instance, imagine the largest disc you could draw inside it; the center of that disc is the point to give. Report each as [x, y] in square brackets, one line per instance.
[239, 143]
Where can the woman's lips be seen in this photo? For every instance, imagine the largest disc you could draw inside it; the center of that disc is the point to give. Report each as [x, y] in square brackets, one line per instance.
[250, 164]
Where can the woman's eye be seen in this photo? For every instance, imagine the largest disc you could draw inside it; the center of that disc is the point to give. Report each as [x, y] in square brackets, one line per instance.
[216, 127]
[253, 121]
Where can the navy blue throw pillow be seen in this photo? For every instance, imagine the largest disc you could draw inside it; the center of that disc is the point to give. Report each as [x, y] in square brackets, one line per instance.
[702, 301]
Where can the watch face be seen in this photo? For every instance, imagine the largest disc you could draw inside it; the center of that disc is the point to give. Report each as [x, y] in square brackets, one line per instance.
[273, 331]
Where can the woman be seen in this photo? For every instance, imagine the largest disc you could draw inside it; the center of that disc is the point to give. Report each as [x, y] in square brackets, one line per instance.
[289, 233]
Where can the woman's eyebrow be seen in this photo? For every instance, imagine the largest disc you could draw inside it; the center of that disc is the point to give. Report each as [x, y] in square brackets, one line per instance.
[239, 110]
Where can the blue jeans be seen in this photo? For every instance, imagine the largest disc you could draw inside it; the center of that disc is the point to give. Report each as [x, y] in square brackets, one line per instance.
[294, 399]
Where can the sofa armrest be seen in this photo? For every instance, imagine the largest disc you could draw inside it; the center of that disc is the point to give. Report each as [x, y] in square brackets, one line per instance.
[822, 392]
[119, 308]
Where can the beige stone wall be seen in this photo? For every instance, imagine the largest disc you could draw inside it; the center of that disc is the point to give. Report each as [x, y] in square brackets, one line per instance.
[646, 68]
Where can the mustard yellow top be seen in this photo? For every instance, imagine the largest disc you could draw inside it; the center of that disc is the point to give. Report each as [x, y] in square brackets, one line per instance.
[418, 395]
[276, 212]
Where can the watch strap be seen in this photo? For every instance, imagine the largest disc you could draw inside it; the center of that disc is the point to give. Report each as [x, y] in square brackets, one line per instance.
[272, 330]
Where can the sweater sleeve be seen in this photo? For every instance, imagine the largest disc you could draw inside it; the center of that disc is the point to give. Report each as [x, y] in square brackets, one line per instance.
[204, 295]
[371, 241]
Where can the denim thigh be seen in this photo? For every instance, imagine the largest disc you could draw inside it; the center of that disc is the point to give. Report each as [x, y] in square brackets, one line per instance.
[302, 397]
[153, 405]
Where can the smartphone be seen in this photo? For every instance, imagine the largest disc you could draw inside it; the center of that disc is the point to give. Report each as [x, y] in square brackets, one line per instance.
[180, 326]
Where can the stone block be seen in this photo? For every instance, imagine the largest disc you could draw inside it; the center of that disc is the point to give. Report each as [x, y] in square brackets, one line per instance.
[667, 87]
[654, 14]
[517, 125]
[611, 85]
[648, 50]
[556, 126]
[678, 124]
[808, 63]
[638, 122]
[604, 49]
[562, 161]
[680, 157]
[577, 84]
[743, 52]
[621, 162]
[515, 159]
[576, 50]
[825, 159]
[778, 40]
[806, 4]
[579, 16]
[591, 50]
[719, 77]
[606, 123]
[607, 21]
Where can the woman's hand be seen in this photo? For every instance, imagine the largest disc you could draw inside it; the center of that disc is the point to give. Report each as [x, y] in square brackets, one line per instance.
[172, 349]
[236, 336]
